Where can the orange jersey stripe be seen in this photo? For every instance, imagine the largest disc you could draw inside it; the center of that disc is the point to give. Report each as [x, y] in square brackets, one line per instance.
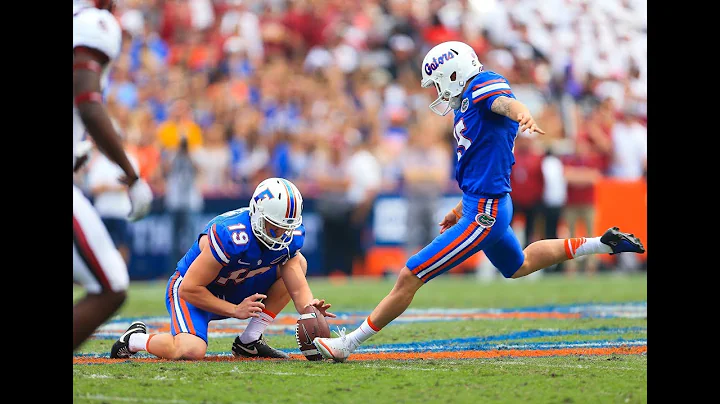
[186, 314]
[447, 249]
[173, 318]
[462, 252]
[451, 246]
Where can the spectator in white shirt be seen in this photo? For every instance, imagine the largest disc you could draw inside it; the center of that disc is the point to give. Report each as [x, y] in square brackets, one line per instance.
[365, 181]
[554, 195]
[629, 136]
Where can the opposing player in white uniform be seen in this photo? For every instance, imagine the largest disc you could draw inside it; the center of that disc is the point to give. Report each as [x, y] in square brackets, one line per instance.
[97, 265]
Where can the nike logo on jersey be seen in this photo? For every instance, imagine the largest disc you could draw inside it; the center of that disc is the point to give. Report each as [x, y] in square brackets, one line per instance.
[253, 351]
[241, 262]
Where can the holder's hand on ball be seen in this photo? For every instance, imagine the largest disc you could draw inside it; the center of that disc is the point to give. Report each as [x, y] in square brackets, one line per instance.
[322, 307]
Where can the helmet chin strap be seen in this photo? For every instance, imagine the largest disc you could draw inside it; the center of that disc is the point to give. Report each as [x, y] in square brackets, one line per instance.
[273, 244]
[271, 240]
[455, 102]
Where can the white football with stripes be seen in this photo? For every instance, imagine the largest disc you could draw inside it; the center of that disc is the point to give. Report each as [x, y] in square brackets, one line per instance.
[309, 325]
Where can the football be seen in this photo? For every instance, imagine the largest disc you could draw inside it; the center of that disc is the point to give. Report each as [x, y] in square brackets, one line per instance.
[311, 324]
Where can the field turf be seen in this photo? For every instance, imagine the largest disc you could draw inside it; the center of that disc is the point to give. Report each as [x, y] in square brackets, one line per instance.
[544, 339]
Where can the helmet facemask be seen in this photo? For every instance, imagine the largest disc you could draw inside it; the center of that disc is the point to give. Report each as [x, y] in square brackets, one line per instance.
[272, 241]
[449, 90]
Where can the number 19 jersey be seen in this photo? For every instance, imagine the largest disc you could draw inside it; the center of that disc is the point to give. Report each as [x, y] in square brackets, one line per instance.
[233, 244]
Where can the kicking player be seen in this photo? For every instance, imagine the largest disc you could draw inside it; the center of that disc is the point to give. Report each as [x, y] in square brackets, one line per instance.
[487, 120]
[246, 263]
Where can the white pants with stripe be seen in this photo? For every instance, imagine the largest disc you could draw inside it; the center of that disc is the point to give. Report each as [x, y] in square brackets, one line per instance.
[97, 264]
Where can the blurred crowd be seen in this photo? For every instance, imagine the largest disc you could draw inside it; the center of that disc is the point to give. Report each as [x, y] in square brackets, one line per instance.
[212, 96]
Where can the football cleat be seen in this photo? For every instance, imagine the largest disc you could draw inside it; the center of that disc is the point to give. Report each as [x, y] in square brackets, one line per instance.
[337, 349]
[621, 242]
[256, 349]
[121, 347]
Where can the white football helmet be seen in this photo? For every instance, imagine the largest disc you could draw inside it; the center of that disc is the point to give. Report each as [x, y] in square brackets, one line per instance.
[449, 66]
[279, 202]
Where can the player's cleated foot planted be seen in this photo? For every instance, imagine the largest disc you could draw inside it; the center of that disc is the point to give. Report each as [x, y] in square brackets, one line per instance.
[256, 349]
[121, 347]
[621, 242]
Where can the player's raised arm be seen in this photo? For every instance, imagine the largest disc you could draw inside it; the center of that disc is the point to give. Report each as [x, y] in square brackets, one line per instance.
[516, 111]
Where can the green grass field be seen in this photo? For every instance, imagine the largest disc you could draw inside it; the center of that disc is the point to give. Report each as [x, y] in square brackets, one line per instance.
[615, 378]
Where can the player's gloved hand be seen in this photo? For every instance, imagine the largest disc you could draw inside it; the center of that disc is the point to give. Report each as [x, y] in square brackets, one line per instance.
[322, 307]
[448, 221]
[140, 199]
[250, 307]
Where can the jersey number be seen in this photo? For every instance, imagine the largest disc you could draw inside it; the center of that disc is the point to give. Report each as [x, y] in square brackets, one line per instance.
[462, 142]
[239, 237]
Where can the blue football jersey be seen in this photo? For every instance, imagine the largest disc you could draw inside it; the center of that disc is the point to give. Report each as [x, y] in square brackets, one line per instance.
[233, 244]
[485, 140]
